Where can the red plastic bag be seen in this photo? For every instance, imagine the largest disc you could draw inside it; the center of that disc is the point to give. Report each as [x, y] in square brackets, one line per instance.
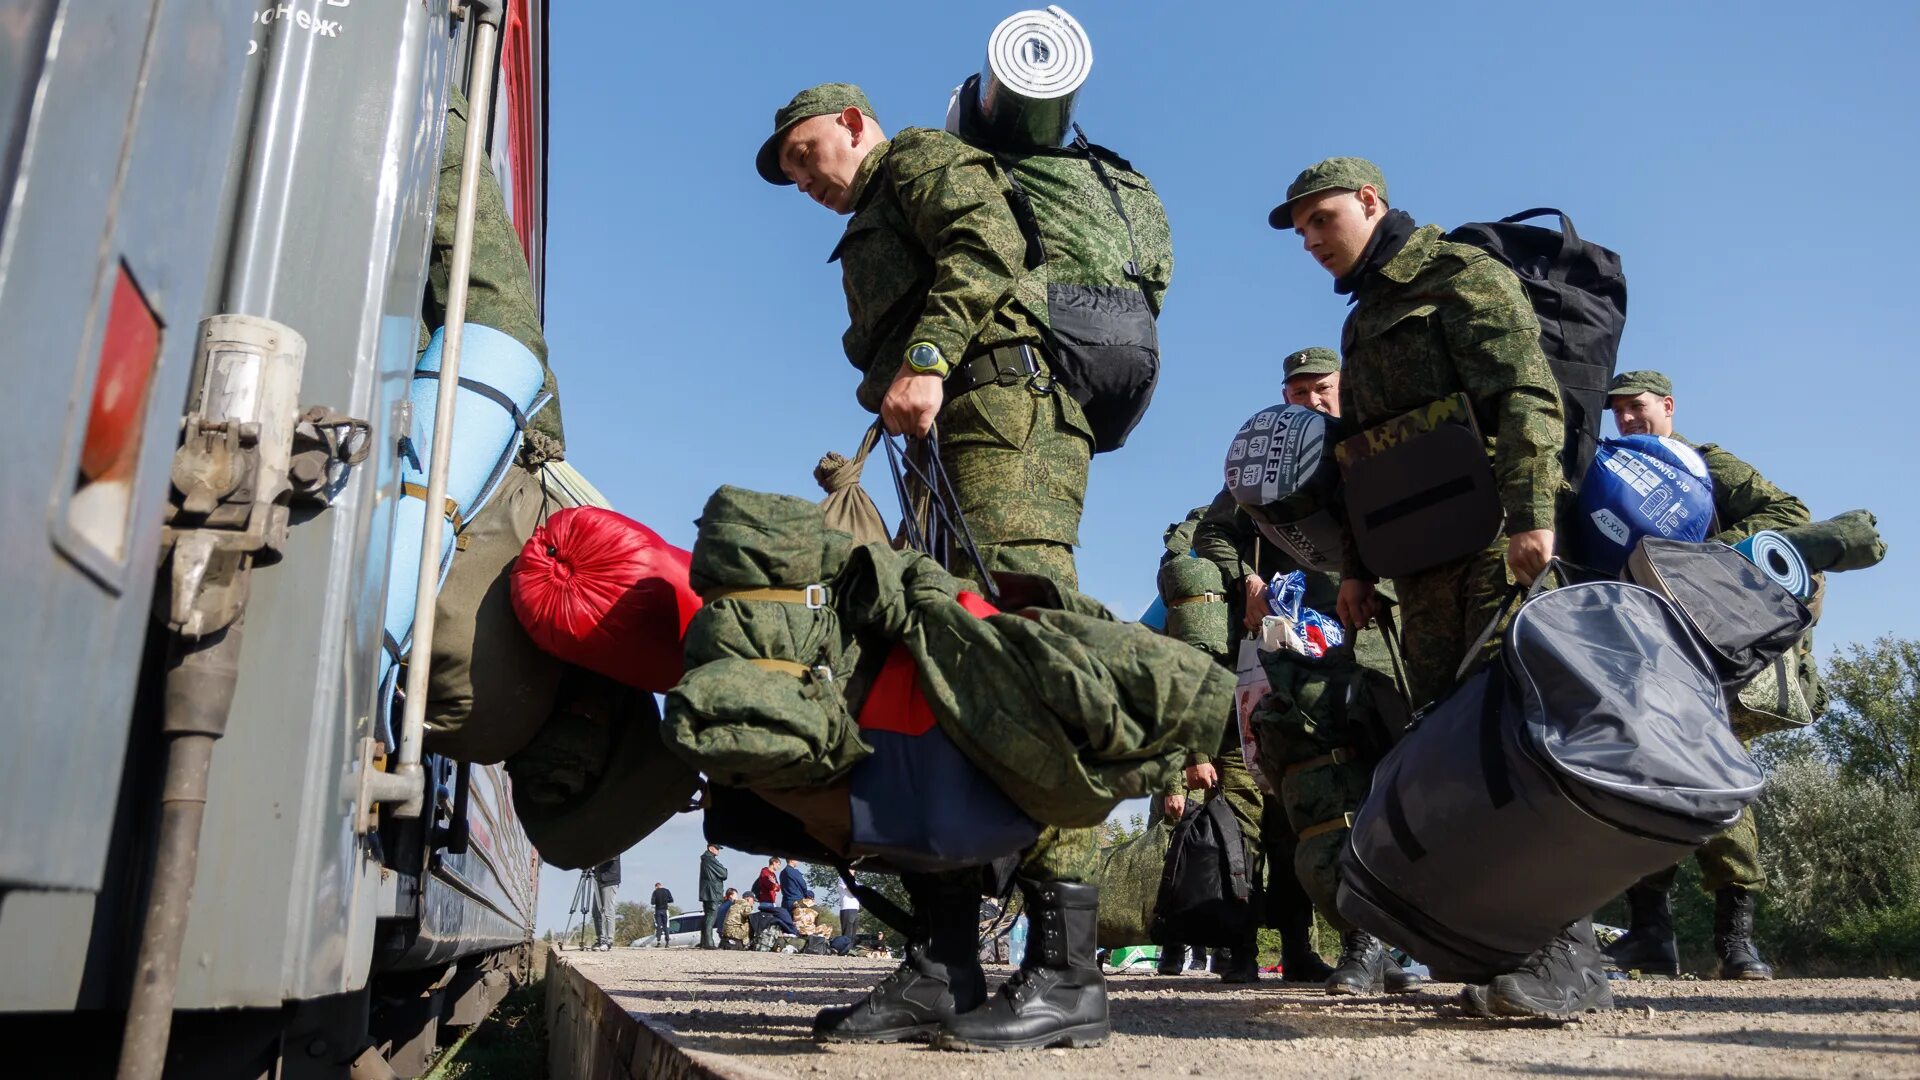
[894, 702]
[600, 590]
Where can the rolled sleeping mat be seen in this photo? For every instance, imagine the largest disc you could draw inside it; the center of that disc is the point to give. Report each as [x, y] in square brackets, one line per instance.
[1156, 615]
[1281, 470]
[1023, 97]
[500, 382]
[1779, 560]
[1640, 486]
[1849, 542]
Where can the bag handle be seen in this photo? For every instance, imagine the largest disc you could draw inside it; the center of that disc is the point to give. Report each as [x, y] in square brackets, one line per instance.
[945, 527]
[1569, 238]
[1520, 593]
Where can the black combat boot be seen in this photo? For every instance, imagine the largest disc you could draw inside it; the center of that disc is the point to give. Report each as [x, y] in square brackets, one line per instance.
[940, 978]
[1398, 979]
[1363, 965]
[1242, 963]
[1733, 936]
[1173, 960]
[1058, 996]
[1298, 962]
[1647, 946]
[1561, 980]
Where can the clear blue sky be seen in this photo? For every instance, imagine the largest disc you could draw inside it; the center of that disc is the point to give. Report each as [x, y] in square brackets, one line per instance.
[1753, 164]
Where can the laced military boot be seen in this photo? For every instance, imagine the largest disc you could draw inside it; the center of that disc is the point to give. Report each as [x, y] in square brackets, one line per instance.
[1647, 946]
[940, 978]
[1733, 936]
[1362, 968]
[1563, 979]
[1398, 979]
[1299, 963]
[1173, 960]
[1058, 996]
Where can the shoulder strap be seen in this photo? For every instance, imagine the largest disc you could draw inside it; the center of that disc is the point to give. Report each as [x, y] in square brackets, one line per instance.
[1234, 848]
[1132, 268]
[1023, 214]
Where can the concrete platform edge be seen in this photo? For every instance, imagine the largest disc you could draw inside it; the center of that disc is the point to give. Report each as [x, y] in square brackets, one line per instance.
[592, 1037]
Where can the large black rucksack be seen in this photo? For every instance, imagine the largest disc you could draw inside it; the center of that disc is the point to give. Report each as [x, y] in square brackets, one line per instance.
[1580, 298]
[1204, 888]
[1098, 240]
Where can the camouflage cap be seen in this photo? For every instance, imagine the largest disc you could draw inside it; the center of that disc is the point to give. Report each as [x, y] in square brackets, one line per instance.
[1314, 361]
[1640, 382]
[1333, 174]
[824, 100]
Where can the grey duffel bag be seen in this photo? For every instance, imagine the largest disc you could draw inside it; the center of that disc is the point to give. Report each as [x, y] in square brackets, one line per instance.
[1593, 752]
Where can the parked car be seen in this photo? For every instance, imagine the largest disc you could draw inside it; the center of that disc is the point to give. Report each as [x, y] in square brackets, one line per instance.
[683, 932]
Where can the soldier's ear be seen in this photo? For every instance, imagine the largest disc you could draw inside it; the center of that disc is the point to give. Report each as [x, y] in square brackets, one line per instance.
[855, 122]
[1668, 402]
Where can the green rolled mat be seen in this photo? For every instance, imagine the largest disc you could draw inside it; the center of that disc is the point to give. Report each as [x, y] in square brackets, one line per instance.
[1849, 542]
[597, 779]
[1197, 611]
[746, 726]
[1130, 886]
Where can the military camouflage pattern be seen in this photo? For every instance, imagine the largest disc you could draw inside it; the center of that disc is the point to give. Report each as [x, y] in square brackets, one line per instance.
[1333, 174]
[1745, 502]
[932, 253]
[1196, 602]
[1644, 381]
[1085, 240]
[1441, 318]
[500, 287]
[1452, 409]
[827, 99]
[1732, 858]
[1314, 361]
[1443, 610]
[1064, 855]
[1130, 883]
[1018, 457]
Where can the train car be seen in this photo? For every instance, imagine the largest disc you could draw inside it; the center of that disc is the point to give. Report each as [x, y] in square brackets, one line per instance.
[174, 172]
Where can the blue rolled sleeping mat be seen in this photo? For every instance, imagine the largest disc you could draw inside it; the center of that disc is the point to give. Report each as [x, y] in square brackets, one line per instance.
[1640, 486]
[500, 381]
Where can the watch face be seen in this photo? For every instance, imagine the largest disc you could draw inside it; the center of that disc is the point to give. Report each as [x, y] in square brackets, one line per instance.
[924, 357]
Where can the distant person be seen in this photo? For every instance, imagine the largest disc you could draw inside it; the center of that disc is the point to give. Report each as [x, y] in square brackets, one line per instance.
[806, 920]
[733, 920]
[661, 899]
[849, 914]
[713, 889]
[1744, 503]
[793, 887]
[766, 888]
[606, 877]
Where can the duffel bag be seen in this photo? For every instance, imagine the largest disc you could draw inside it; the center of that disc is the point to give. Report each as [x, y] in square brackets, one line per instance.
[1745, 619]
[1205, 891]
[1592, 753]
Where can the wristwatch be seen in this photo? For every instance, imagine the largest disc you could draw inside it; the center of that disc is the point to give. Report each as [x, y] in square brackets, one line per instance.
[925, 359]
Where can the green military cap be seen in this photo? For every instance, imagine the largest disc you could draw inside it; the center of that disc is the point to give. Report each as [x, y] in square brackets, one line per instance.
[827, 99]
[1333, 174]
[1314, 361]
[1628, 383]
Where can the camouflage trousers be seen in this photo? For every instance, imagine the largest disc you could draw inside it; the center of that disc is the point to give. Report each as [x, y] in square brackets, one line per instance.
[1017, 456]
[1730, 859]
[1443, 610]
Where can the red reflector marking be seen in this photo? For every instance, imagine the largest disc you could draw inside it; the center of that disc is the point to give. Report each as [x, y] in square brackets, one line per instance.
[128, 351]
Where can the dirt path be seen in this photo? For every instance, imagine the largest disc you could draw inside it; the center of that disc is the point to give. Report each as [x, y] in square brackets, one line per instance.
[752, 1011]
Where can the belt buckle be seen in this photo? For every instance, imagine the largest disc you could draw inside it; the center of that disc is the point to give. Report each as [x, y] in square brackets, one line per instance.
[816, 597]
[1040, 384]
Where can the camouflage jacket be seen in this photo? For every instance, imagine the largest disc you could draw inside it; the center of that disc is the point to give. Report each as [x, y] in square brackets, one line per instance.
[1441, 318]
[932, 253]
[1744, 502]
[500, 286]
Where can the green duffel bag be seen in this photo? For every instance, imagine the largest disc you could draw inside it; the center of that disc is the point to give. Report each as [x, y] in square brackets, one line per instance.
[596, 779]
[1196, 600]
[490, 688]
[1130, 875]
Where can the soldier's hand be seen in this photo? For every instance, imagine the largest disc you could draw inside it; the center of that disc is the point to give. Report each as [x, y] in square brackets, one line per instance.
[1173, 804]
[912, 402]
[1528, 553]
[1357, 604]
[1256, 597]
[1202, 775]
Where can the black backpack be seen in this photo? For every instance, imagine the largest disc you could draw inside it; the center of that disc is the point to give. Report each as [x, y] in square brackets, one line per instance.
[1580, 298]
[1204, 888]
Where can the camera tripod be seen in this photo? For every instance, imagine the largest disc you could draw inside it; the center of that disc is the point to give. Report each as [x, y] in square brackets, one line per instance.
[580, 913]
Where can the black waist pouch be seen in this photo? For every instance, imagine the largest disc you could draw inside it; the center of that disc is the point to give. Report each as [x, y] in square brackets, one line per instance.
[1420, 489]
[1105, 350]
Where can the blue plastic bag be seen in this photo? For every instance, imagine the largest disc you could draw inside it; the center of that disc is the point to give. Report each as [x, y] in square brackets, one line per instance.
[1639, 486]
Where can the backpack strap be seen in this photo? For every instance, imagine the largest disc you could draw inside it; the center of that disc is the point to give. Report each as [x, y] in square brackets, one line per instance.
[1023, 215]
[1236, 852]
[1132, 268]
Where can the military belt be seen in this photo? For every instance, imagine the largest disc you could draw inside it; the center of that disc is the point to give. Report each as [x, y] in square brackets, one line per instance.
[813, 596]
[1344, 821]
[452, 509]
[793, 668]
[1203, 598]
[1008, 365]
[1339, 756]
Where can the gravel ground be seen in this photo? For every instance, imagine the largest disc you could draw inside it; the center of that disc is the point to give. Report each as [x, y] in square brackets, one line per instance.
[752, 1011]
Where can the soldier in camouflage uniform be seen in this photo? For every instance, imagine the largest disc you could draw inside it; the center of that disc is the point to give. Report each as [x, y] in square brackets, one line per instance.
[1744, 503]
[941, 328]
[1328, 755]
[1433, 318]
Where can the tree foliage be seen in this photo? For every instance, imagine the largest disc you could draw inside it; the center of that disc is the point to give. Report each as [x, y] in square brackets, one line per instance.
[1872, 727]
